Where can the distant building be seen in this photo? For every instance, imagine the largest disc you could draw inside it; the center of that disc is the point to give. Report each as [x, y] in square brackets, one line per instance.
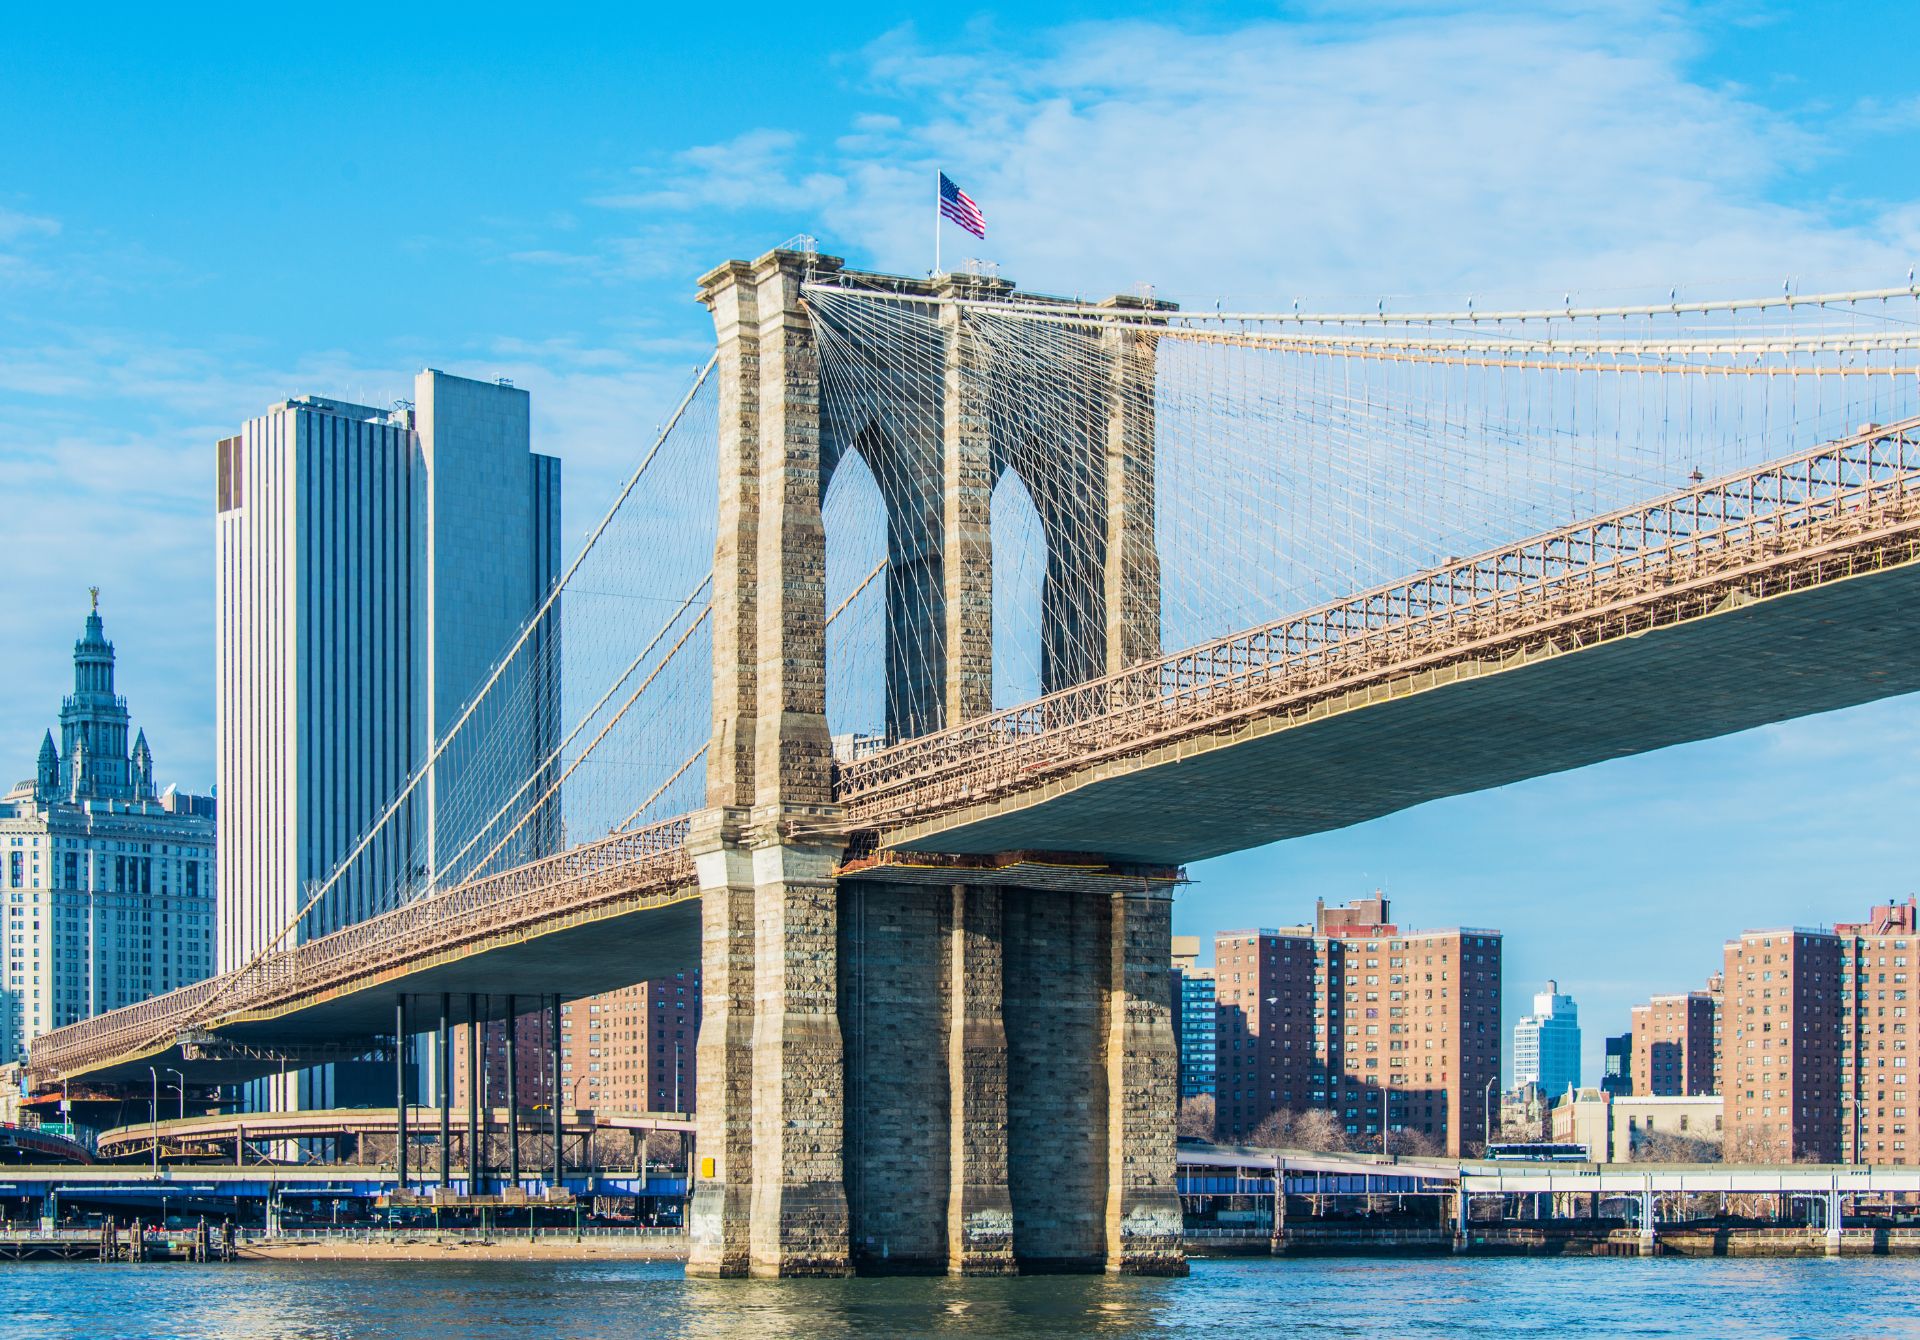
[1357, 1017]
[632, 1050]
[1194, 1024]
[1816, 1036]
[1623, 1129]
[373, 565]
[1879, 1093]
[1716, 992]
[1546, 1043]
[1673, 1045]
[1525, 1115]
[109, 885]
[1784, 1008]
[1617, 1076]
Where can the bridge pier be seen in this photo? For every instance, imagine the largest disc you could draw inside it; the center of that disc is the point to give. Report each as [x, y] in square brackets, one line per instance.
[979, 1206]
[510, 1020]
[937, 1066]
[934, 1077]
[799, 1201]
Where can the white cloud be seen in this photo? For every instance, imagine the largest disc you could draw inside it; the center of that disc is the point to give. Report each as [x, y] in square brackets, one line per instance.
[1419, 153]
[16, 226]
[755, 168]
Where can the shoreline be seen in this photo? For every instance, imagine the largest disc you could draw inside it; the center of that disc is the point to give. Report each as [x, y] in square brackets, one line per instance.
[427, 1247]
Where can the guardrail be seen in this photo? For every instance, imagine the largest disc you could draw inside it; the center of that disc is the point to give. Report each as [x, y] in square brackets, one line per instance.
[646, 861]
[1620, 566]
[494, 1234]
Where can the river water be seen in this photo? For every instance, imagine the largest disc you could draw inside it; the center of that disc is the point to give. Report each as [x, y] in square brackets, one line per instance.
[1226, 1300]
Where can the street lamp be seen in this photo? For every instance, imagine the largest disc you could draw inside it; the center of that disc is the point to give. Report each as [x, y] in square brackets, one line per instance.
[153, 1115]
[1486, 1114]
[183, 1090]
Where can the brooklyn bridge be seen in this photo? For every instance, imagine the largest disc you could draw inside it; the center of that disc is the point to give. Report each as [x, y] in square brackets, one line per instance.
[944, 624]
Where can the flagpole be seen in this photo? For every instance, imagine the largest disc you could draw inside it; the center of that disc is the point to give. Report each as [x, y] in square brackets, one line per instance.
[936, 223]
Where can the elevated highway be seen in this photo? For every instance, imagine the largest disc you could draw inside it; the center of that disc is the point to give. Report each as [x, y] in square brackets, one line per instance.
[221, 1135]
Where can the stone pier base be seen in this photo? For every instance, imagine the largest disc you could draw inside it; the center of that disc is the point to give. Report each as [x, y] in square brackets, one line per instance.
[983, 1084]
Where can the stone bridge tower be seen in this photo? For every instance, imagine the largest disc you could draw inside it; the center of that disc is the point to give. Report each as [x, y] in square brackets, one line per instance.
[958, 1066]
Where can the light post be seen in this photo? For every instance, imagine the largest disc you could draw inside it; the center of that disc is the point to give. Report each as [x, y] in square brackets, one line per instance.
[183, 1090]
[587, 1137]
[1486, 1115]
[153, 1114]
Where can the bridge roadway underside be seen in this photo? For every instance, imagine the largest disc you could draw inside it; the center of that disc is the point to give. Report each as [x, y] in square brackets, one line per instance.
[1467, 728]
[584, 957]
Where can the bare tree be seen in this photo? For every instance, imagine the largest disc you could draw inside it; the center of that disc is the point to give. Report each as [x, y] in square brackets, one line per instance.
[1288, 1128]
[1673, 1147]
[665, 1149]
[1196, 1117]
[1417, 1144]
[1754, 1144]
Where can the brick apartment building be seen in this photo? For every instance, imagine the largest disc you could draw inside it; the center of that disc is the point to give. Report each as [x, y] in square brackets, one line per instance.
[1357, 1017]
[1877, 1061]
[1782, 1034]
[1673, 1045]
[631, 1050]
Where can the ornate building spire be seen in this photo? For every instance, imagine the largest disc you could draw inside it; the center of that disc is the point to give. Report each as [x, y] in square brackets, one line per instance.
[93, 719]
[46, 774]
[142, 768]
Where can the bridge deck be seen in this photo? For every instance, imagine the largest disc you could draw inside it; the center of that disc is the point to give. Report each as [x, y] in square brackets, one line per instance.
[1468, 726]
[1779, 592]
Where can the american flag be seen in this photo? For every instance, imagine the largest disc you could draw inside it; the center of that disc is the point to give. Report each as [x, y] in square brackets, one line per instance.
[957, 205]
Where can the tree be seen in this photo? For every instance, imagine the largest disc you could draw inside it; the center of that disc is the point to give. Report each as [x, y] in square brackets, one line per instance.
[1673, 1147]
[1196, 1117]
[1315, 1129]
[1416, 1144]
[1755, 1144]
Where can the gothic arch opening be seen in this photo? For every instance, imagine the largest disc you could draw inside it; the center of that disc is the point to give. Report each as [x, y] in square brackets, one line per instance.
[854, 515]
[1019, 576]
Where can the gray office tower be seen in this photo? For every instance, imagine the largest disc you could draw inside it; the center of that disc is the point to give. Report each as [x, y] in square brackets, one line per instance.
[373, 566]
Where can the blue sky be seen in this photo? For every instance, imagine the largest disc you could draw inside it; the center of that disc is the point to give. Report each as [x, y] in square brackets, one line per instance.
[200, 215]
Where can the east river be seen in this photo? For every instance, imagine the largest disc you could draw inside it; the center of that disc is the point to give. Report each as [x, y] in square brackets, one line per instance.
[1232, 1299]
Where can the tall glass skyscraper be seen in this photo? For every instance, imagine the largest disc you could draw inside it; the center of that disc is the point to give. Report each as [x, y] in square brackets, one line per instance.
[1194, 1021]
[373, 565]
[1546, 1044]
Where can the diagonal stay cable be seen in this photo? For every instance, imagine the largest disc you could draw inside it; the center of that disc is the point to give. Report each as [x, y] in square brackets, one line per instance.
[240, 974]
[586, 718]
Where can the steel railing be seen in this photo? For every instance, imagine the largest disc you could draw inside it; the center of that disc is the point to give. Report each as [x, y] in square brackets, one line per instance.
[1740, 526]
[649, 863]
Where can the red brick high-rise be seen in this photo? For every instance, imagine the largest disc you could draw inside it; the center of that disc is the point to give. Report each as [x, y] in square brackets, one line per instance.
[1879, 1091]
[631, 1050]
[1781, 1032]
[1818, 1043]
[1673, 1045]
[1359, 1018]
